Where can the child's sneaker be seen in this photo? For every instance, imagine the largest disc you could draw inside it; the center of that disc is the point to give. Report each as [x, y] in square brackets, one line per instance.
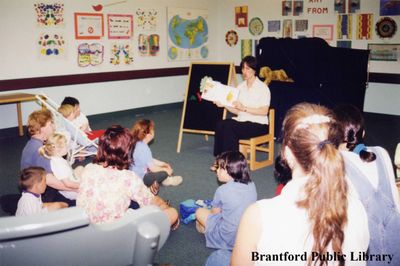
[172, 181]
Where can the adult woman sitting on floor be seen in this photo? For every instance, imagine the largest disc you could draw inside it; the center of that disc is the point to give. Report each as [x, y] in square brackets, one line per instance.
[107, 186]
[251, 109]
[315, 214]
[371, 173]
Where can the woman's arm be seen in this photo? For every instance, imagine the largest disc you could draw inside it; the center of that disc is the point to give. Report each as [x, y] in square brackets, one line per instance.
[247, 237]
[263, 110]
[70, 184]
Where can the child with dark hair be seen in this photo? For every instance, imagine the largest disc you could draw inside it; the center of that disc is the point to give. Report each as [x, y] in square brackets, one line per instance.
[370, 171]
[220, 224]
[33, 184]
[80, 120]
[282, 174]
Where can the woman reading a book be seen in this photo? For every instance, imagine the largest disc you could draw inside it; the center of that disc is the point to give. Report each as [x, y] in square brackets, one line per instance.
[251, 110]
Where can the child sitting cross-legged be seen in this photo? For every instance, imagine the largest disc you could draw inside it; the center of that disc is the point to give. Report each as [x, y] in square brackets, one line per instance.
[231, 199]
[55, 148]
[33, 184]
[151, 170]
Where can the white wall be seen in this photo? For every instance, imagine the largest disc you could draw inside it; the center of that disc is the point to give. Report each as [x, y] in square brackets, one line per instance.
[19, 57]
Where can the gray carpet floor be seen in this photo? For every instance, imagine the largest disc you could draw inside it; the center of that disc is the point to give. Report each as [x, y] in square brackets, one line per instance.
[184, 246]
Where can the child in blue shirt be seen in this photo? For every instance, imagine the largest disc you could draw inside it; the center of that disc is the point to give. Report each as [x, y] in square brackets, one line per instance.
[231, 199]
[151, 170]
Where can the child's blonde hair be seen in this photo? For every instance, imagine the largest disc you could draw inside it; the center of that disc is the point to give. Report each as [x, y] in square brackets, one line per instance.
[66, 110]
[55, 141]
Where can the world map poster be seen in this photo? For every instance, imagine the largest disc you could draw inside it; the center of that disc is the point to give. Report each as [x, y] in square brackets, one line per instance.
[187, 34]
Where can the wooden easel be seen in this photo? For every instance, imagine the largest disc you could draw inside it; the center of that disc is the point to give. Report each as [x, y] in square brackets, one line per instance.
[200, 116]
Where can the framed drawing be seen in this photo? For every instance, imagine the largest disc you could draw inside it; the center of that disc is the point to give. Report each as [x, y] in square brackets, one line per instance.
[120, 26]
[384, 52]
[323, 31]
[89, 26]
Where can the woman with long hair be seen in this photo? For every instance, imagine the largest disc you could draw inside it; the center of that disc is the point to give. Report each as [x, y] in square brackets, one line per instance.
[315, 220]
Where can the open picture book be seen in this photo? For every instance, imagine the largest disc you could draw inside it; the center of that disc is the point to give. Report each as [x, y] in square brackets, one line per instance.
[217, 92]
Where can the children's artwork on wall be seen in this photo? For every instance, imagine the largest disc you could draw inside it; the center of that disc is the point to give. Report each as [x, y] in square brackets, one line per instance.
[354, 6]
[241, 16]
[344, 26]
[247, 48]
[364, 26]
[49, 14]
[386, 27]
[343, 44]
[121, 53]
[187, 34]
[256, 26]
[51, 45]
[323, 31]
[287, 28]
[298, 7]
[384, 52]
[120, 26]
[274, 25]
[389, 8]
[286, 8]
[340, 6]
[146, 19]
[301, 25]
[90, 54]
[148, 45]
[89, 25]
[231, 38]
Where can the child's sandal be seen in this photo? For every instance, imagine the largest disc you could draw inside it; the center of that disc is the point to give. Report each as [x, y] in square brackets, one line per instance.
[175, 226]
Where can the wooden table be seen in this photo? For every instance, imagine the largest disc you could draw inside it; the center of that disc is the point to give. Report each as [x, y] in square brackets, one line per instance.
[17, 98]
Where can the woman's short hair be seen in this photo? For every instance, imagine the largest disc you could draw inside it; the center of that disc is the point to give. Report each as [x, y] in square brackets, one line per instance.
[37, 120]
[115, 147]
[141, 128]
[236, 166]
[250, 61]
[31, 176]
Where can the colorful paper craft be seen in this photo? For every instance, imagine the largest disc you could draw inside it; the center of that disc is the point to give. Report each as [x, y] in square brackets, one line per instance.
[121, 53]
[146, 19]
[49, 14]
[148, 45]
[241, 14]
[90, 54]
[51, 44]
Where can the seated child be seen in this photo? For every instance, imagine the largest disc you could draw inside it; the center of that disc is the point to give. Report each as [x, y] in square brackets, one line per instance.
[69, 112]
[79, 119]
[282, 174]
[231, 199]
[33, 184]
[55, 148]
[144, 165]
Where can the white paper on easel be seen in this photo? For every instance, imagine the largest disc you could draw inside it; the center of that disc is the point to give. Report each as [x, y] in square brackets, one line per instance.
[217, 92]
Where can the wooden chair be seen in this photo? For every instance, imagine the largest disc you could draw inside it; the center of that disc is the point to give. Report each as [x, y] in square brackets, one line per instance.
[264, 143]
